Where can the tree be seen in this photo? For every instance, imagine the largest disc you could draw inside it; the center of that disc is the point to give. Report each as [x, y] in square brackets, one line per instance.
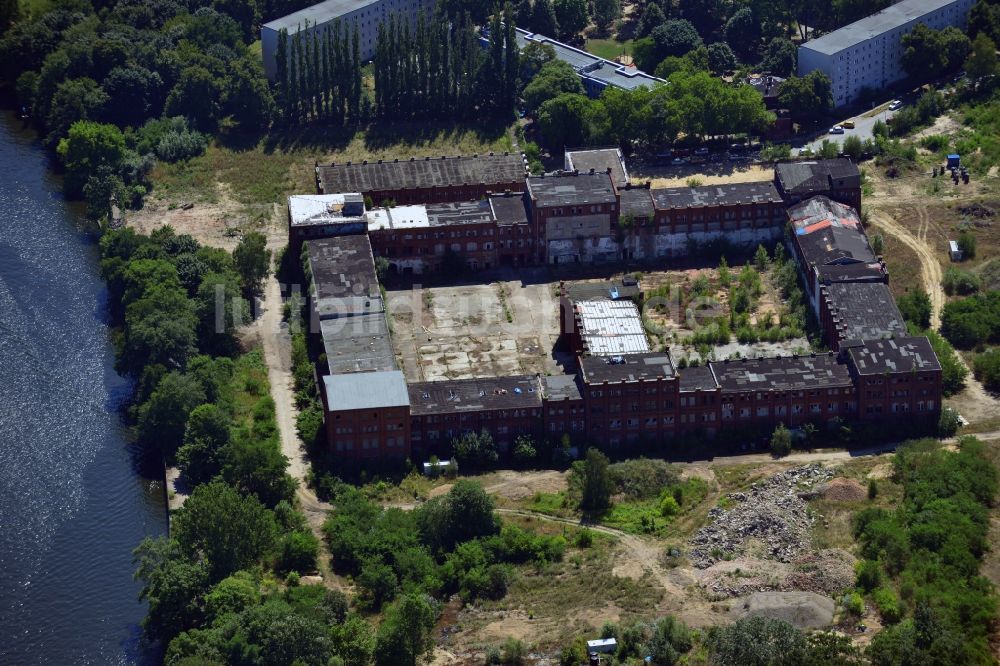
[781, 441]
[606, 12]
[924, 55]
[534, 56]
[470, 512]
[160, 329]
[553, 79]
[172, 586]
[967, 244]
[405, 634]
[671, 639]
[957, 46]
[810, 96]
[10, 11]
[475, 450]
[299, 550]
[232, 595]
[74, 100]
[566, 120]
[205, 435]
[984, 19]
[596, 490]
[986, 367]
[853, 147]
[253, 262]
[231, 531]
[543, 18]
[982, 65]
[757, 641]
[743, 32]
[246, 96]
[88, 146]
[720, 58]
[221, 309]
[524, 450]
[571, 16]
[163, 418]
[257, 466]
[675, 38]
[196, 96]
[651, 18]
[780, 57]
[137, 93]
[915, 306]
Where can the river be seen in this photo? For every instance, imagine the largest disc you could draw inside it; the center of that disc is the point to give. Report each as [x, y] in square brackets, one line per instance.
[76, 495]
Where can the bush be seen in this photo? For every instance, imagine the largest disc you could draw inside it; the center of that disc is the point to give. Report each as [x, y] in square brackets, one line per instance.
[781, 441]
[584, 538]
[872, 489]
[967, 244]
[299, 550]
[854, 604]
[869, 574]
[669, 506]
[889, 606]
[948, 423]
[956, 281]
[986, 367]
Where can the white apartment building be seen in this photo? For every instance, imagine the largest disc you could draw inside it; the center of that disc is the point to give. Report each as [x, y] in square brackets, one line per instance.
[869, 53]
[366, 14]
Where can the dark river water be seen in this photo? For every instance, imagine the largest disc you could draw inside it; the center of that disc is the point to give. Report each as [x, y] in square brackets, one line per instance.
[75, 495]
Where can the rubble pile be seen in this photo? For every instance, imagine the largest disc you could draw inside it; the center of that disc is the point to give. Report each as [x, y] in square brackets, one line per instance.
[771, 513]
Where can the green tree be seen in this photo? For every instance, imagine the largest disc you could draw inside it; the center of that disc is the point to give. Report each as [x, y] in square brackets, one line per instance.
[986, 367]
[253, 262]
[196, 96]
[232, 595]
[721, 58]
[231, 531]
[743, 33]
[650, 19]
[299, 550]
[405, 634]
[246, 96]
[853, 147]
[88, 146]
[809, 96]
[74, 100]
[257, 466]
[205, 435]
[160, 329]
[757, 641]
[924, 55]
[957, 46]
[566, 120]
[779, 57]
[781, 441]
[571, 16]
[553, 79]
[982, 64]
[606, 12]
[596, 482]
[524, 450]
[172, 586]
[675, 37]
[543, 18]
[475, 449]
[164, 417]
[670, 641]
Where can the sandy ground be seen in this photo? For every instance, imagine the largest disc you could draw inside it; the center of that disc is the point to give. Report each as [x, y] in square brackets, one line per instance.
[679, 176]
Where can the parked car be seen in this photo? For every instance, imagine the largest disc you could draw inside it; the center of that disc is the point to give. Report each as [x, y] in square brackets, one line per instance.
[678, 161]
[837, 129]
[848, 124]
[703, 151]
[895, 104]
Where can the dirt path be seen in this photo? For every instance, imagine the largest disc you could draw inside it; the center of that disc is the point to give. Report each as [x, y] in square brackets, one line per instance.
[930, 267]
[276, 344]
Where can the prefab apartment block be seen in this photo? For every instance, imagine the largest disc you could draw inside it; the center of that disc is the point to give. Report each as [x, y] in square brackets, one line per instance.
[869, 53]
[367, 15]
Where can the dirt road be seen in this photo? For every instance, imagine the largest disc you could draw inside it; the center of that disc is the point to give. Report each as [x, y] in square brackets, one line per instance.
[930, 267]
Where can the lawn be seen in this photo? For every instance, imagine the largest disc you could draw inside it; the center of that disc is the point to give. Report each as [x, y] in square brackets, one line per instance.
[608, 49]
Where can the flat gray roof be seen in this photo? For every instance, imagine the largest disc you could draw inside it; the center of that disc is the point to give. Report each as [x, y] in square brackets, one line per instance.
[879, 23]
[778, 373]
[874, 357]
[357, 344]
[571, 189]
[465, 395]
[366, 390]
[716, 195]
[493, 169]
[626, 368]
[317, 14]
[599, 159]
[864, 311]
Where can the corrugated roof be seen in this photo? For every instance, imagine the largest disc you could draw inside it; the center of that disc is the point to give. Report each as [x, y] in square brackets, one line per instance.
[611, 327]
[366, 390]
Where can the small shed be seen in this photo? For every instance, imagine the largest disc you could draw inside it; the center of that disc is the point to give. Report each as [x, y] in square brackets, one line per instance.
[954, 251]
[602, 646]
[954, 161]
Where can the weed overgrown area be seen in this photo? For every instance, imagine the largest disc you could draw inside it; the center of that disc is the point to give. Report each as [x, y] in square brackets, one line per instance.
[609, 49]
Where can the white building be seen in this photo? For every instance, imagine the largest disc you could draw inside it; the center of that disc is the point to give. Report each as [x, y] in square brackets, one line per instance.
[869, 53]
[366, 14]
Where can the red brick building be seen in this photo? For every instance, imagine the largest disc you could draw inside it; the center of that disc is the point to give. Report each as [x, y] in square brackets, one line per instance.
[896, 379]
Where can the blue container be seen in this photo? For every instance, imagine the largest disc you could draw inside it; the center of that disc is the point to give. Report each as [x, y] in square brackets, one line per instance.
[954, 161]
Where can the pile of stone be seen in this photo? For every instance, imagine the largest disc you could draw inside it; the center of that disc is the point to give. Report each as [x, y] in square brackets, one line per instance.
[772, 514]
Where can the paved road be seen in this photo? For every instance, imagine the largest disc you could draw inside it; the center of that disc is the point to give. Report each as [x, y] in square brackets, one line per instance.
[862, 127]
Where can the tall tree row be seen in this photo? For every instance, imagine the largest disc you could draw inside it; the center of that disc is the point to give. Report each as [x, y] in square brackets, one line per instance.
[439, 69]
[319, 74]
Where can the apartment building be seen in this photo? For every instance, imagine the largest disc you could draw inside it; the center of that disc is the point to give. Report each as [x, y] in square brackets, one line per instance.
[869, 53]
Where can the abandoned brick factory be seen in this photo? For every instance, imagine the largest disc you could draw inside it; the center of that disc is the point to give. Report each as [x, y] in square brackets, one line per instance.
[422, 215]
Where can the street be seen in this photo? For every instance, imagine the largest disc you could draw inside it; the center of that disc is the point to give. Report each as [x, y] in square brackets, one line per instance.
[863, 125]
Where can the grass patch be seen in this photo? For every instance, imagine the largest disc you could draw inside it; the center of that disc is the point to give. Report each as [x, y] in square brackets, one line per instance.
[250, 386]
[551, 504]
[609, 49]
[661, 515]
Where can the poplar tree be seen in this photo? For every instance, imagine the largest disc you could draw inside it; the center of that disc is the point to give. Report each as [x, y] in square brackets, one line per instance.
[281, 63]
[512, 64]
[303, 75]
[292, 103]
[324, 99]
[314, 72]
[356, 75]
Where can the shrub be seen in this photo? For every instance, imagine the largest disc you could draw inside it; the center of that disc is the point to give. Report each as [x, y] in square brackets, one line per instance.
[781, 441]
[854, 604]
[669, 506]
[967, 244]
[584, 538]
[986, 367]
[299, 550]
[956, 281]
[948, 423]
[872, 489]
[889, 606]
[869, 574]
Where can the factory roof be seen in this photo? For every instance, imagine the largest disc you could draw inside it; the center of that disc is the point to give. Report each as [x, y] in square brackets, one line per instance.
[697, 378]
[836, 245]
[598, 159]
[468, 395]
[313, 209]
[873, 357]
[816, 175]
[418, 216]
[877, 24]
[819, 212]
[781, 373]
[357, 344]
[588, 66]
[716, 195]
[509, 208]
[561, 387]
[626, 368]
[365, 390]
[343, 266]
[615, 290]
[863, 311]
[637, 202]
[494, 169]
[610, 327]
[317, 14]
[571, 189]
